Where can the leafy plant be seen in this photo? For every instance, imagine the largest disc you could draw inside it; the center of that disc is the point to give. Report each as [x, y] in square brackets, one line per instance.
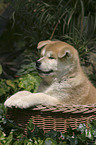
[0, 69]
[3, 5]
[29, 82]
[52, 19]
[4, 89]
[27, 65]
[25, 69]
[14, 135]
[6, 140]
[34, 20]
[7, 126]
[36, 136]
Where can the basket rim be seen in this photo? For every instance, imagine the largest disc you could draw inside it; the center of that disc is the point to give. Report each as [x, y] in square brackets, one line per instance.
[73, 109]
[60, 108]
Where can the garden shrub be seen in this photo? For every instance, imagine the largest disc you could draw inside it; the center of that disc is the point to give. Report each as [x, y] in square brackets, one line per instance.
[32, 21]
[10, 134]
[28, 82]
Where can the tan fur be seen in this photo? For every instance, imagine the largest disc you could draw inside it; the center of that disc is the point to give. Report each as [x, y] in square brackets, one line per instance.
[65, 80]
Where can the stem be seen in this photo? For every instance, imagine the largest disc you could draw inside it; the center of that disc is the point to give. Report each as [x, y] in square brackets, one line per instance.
[56, 26]
[54, 30]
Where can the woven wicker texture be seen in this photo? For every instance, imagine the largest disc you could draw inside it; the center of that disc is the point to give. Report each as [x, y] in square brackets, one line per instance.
[58, 117]
[67, 108]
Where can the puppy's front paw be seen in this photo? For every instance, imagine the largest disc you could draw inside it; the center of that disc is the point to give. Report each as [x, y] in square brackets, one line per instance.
[17, 100]
[10, 102]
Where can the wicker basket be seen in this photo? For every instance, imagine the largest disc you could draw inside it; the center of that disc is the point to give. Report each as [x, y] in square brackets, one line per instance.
[58, 118]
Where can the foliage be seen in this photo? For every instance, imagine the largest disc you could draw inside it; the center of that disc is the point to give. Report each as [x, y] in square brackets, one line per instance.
[53, 19]
[35, 20]
[27, 65]
[4, 89]
[0, 69]
[8, 129]
[14, 135]
[25, 69]
[31, 21]
[29, 82]
[3, 5]
[17, 63]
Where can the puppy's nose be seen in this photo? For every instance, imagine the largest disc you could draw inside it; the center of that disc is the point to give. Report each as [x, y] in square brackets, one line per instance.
[38, 63]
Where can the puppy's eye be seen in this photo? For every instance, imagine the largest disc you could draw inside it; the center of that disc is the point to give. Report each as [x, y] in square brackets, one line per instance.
[51, 57]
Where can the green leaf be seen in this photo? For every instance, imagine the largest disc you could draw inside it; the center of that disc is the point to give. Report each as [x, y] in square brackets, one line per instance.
[63, 143]
[9, 138]
[2, 91]
[0, 69]
[50, 141]
[18, 142]
[30, 125]
[10, 83]
[2, 137]
[29, 82]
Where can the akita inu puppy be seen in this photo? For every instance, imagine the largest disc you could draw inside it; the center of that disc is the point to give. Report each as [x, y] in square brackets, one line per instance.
[59, 65]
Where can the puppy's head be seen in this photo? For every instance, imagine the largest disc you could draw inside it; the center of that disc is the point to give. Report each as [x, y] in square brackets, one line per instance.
[56, 57]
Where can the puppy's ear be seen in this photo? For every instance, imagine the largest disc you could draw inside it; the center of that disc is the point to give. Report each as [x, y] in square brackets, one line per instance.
[43, 43]
[64, 52]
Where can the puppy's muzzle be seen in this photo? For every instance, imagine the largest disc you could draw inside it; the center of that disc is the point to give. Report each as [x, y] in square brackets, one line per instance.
[38, 63]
